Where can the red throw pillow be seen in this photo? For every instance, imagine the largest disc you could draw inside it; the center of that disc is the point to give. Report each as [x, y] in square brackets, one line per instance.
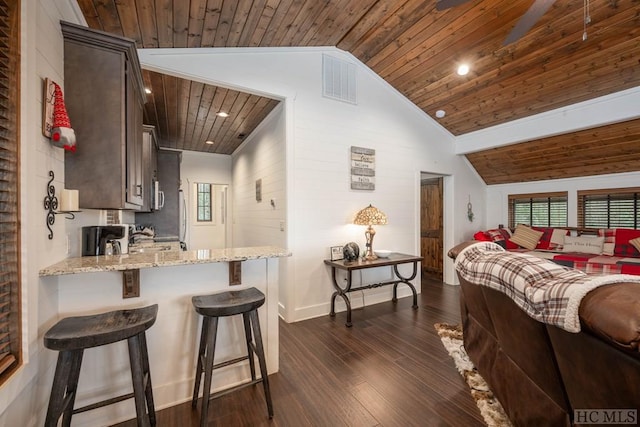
[511, 245]
[481, 236]
[501, 236]
[545, 239]
[623, 247]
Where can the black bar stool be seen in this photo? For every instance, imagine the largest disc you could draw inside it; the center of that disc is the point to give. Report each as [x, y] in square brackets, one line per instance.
[230, 303]
[71, 335]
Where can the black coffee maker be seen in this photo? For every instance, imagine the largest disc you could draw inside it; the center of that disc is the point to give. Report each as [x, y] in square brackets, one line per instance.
[96, 237]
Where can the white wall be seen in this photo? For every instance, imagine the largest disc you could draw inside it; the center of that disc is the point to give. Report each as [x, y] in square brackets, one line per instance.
[319, 134]
[498, 195]
[261, 157]
[208, 168]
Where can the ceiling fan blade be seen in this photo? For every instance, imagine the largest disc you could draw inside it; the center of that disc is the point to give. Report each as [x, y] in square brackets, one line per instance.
[528, 20]
[447, 4]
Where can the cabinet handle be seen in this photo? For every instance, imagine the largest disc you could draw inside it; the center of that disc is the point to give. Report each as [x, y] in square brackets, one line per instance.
[139, 190]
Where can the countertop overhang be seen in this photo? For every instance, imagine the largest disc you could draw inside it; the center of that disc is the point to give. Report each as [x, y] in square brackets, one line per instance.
[95, 264]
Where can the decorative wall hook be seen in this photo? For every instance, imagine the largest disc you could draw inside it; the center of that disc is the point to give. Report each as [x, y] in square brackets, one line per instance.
[51, 205]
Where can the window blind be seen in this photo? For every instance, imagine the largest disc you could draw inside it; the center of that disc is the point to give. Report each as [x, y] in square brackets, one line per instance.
[540, 209]
[612, 208]
[10, 347]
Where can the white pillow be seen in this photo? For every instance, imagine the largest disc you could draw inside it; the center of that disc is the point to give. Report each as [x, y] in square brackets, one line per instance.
[607, 248]
[585, 245]
[557, 238]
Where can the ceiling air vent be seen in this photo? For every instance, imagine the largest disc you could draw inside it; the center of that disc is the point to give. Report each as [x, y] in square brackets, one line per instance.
[338, 79]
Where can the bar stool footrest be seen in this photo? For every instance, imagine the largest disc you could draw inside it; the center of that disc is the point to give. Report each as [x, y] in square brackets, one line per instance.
[234, 388]
[110, 401]
[229, 362]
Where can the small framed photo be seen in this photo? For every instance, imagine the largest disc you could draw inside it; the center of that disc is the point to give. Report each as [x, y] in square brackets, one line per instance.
[336, 253]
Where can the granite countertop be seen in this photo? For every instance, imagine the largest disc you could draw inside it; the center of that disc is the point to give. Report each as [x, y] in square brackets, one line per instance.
[133, 261]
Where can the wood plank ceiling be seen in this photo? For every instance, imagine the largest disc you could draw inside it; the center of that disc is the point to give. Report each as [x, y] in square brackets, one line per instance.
[410, 44]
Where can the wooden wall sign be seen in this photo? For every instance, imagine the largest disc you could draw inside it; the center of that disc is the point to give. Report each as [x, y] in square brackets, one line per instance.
[363, 168]
[48, 100]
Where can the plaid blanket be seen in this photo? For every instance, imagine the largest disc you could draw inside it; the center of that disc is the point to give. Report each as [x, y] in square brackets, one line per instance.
[546, 291]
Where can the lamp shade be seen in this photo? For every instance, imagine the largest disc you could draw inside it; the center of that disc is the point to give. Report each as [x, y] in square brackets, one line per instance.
[370, 216]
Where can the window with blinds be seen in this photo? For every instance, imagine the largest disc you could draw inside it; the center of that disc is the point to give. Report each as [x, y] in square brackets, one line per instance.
[610, 208]
[539, 210]
[10, 336]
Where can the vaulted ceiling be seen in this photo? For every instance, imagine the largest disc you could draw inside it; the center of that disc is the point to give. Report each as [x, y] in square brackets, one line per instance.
[412, 45]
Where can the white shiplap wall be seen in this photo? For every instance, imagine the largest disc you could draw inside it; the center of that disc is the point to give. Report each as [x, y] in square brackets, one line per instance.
[261, 157]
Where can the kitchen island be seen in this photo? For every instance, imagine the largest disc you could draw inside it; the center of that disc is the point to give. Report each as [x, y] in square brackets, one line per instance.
[94, 284]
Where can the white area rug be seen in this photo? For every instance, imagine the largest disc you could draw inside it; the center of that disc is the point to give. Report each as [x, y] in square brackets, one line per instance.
[490, 408]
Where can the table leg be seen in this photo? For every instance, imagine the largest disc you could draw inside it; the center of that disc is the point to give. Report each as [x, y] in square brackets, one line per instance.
[343, 293]
[333, 304]
[347, 303]
[406, 281]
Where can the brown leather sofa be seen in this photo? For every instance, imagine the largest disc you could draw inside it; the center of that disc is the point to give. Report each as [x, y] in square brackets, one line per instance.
[542, 374]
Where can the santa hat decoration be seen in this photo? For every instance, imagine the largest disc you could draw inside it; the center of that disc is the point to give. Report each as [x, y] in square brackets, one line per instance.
[62, 135]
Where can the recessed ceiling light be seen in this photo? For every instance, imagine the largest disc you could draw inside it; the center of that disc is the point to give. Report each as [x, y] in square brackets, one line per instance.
[209, 142]
[222, 114]
[147, 90]
[440, 114]
[463, 70]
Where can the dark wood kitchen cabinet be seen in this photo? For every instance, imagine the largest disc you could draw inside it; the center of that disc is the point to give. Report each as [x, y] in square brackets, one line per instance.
[149, 165]
[104, 96]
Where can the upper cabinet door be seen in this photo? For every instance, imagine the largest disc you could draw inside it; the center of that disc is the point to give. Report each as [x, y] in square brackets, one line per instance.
[104, 97]
[135, 182]
[149, 166]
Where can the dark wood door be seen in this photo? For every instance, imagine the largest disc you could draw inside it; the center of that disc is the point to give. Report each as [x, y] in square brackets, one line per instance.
[431, 225]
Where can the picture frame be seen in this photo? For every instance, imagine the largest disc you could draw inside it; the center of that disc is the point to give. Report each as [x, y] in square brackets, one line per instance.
[336, 253]
[363, 168]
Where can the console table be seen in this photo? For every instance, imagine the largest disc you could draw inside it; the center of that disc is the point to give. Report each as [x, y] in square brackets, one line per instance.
[393, 261]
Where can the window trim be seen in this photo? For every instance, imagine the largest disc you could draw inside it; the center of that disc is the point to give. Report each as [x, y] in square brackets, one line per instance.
[208, 220]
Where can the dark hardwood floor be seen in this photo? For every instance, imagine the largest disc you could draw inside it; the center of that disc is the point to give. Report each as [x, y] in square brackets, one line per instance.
[389, 369]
